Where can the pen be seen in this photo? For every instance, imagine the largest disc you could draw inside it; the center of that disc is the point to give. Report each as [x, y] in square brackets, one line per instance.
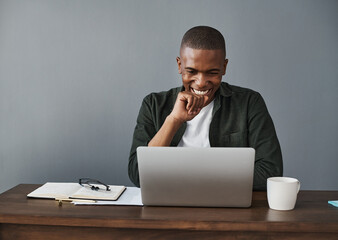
[71, 200]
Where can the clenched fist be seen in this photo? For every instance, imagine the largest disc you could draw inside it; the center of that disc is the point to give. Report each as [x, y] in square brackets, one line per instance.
[187, 106]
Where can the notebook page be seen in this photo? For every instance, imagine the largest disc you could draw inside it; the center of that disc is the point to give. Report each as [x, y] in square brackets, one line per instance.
[87, 193]
[55, 190]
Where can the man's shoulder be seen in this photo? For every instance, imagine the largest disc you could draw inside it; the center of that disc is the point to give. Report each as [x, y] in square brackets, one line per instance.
[242, 97]
[237, 89]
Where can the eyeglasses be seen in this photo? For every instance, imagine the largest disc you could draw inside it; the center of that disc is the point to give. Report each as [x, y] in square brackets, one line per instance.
[90, 183]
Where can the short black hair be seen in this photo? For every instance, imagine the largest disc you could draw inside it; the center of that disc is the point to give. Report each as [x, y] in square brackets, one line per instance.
[203, 37]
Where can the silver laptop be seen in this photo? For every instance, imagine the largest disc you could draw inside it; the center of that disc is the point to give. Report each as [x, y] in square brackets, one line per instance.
[196, 177]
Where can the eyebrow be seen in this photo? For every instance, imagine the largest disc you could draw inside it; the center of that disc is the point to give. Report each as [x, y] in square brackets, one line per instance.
[213, 69]
[209, 70]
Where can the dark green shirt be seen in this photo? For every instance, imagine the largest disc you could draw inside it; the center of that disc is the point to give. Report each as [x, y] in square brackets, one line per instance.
[239, 119]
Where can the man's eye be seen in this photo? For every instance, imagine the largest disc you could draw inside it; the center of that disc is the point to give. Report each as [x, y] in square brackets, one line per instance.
[213, 73]
[190, 71]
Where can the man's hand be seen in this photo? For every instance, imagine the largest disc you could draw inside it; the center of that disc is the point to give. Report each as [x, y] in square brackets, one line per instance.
[187, 106]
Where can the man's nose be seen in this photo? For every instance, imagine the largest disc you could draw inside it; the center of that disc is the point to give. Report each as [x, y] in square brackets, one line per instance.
[201, 80]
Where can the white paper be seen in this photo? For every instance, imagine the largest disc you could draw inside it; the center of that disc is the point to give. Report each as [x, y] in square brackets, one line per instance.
[131, 197]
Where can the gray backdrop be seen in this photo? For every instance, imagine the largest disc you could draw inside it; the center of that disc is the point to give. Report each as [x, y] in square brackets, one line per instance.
[73, 74]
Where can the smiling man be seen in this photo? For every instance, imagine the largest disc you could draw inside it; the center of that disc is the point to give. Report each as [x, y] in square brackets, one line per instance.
[206, 112]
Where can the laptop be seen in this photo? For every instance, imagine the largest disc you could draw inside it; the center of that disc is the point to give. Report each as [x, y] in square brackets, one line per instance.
[196, 177]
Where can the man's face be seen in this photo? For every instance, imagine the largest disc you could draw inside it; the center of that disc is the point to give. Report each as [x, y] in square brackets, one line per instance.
[202, 70]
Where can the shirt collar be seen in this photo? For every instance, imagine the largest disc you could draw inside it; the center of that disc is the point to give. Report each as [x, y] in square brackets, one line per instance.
[225, 90]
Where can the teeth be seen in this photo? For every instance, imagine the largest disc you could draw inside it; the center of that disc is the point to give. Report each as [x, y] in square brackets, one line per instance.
[200, 92]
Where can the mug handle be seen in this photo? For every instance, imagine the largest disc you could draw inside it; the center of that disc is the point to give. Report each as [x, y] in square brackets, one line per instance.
[298, 186]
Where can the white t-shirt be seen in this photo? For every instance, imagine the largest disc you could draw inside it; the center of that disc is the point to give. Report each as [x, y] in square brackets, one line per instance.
[197, 132]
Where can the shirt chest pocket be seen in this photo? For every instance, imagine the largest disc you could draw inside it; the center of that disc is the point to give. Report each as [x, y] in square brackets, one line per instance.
[237, 139]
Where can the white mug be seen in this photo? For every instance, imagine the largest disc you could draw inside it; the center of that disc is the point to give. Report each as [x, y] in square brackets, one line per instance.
[282, 192]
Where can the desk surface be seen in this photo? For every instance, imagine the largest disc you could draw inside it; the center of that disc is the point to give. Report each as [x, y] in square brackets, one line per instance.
[312, 217]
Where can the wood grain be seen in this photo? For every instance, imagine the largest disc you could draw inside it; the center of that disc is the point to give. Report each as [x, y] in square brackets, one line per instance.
[23, 218]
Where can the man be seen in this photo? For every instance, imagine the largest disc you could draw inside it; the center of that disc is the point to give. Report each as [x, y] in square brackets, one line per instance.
[206, 112]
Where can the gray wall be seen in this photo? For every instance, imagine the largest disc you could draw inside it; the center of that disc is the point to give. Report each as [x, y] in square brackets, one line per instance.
[73, 74]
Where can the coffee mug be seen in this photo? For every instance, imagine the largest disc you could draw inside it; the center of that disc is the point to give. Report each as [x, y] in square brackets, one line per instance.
[282, 192]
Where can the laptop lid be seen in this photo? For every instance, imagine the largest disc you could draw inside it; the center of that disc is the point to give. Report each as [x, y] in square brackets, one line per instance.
[205, 177]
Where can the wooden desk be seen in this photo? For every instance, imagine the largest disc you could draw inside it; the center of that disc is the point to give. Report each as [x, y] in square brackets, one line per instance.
[22, 218]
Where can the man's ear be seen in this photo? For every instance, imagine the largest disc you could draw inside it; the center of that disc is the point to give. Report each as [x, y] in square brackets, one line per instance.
[225, 66]
[178, 60]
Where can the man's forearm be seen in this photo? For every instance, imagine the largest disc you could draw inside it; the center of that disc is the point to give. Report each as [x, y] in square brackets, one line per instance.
[166, 133]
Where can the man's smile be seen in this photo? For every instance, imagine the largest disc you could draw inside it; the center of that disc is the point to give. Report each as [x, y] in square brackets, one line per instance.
[201, 93]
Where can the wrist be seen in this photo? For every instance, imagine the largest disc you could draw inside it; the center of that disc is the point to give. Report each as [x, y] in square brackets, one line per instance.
[166, 133]
[175, 121]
